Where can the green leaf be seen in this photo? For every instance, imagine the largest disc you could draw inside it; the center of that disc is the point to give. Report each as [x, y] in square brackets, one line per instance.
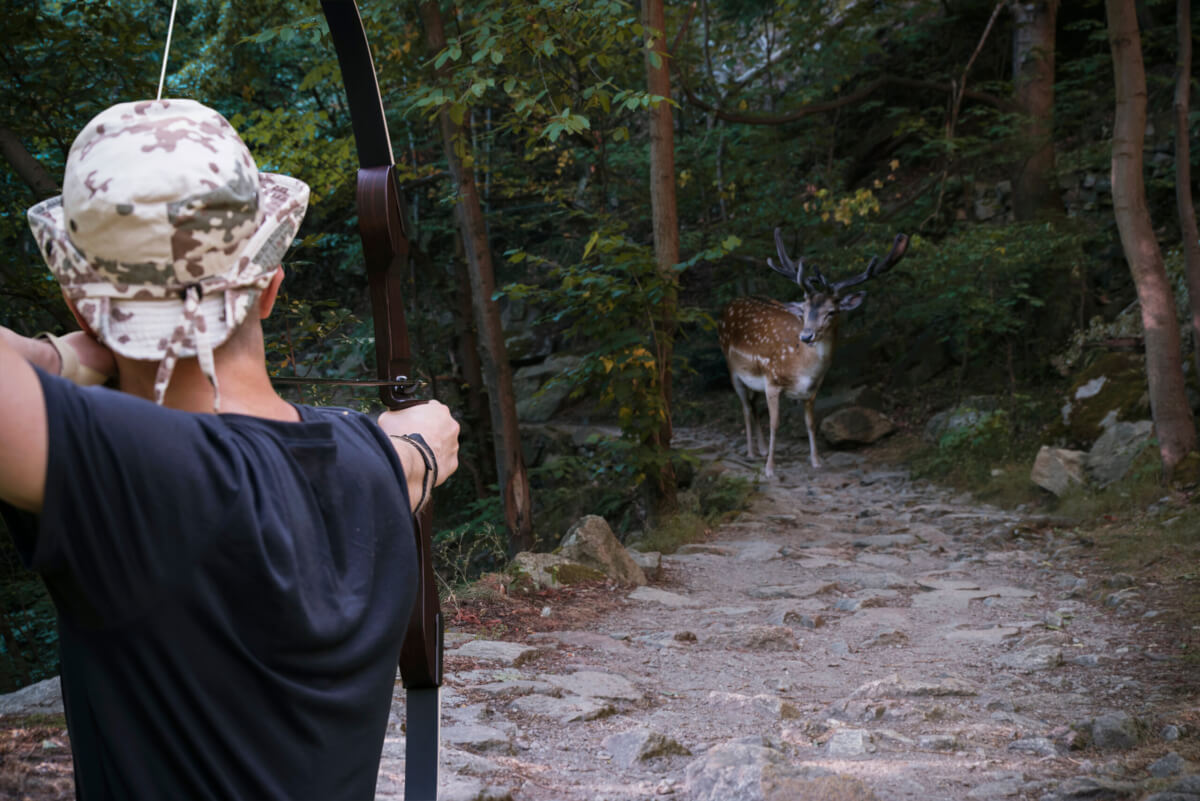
[591, 243]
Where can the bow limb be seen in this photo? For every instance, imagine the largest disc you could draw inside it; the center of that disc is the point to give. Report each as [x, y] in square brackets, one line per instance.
[385, 251]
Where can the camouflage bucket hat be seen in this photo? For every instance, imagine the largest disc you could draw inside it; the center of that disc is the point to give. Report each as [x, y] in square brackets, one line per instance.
[166, 232]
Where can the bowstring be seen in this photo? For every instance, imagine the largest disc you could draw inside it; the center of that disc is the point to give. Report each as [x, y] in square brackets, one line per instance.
[167, 49]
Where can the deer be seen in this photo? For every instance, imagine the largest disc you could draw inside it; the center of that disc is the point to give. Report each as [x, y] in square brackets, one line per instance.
[774, 347]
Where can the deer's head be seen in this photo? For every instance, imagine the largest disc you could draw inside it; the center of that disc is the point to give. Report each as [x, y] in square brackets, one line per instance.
[823, 300]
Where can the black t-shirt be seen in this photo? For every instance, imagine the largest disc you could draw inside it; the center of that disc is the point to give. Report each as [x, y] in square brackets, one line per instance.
[232, 594]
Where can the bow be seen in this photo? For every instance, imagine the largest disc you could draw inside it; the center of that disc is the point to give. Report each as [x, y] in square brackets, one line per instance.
[385, 250]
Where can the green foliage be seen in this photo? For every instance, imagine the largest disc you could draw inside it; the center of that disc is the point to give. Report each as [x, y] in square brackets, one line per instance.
[980, 288]
[609, 302]
[969, 452]
[467, 551]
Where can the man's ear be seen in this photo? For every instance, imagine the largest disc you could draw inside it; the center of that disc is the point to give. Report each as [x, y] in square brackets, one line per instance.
[266, 298]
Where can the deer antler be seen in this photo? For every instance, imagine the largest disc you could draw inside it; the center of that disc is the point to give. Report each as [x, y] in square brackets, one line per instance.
[874, 268]
[794, 269]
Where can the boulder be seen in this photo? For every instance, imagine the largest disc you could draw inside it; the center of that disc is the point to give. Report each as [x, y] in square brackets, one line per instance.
[524, 340]
[1110, 389]
[1058, 469]
[967, 414]
[1115, 731]
[1116, 450]
[855, 425]
[550, 570]
[43, 698]
[539, 397]
[862, 395]
[591, 543]
[641, 745]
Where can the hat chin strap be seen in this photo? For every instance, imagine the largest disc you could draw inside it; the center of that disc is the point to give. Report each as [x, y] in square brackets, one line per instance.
[194, 328]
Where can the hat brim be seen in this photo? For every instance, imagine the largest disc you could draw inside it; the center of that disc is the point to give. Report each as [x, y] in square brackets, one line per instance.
[139, 320]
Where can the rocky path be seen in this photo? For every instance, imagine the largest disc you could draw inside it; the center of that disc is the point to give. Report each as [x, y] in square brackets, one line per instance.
[854, 635]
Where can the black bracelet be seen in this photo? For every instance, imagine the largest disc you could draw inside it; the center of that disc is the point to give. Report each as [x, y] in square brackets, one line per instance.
[431, 470]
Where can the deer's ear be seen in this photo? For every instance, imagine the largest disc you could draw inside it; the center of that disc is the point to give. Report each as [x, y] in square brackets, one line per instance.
[797, 309]
[851, 301]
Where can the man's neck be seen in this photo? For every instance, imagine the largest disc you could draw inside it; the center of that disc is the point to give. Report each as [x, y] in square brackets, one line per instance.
[244, 383]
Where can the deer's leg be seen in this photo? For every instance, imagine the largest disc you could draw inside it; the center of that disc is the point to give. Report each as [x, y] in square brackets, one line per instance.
[773, 420]
[758, 434]
[812, 433]
[743, 394]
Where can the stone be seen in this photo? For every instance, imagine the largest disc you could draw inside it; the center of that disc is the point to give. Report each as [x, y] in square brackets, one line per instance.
[655, 595]
[1186, 789]
[763, 638]
[1002, 788]
[895, 687]
[762, 705]
[477, 738]
[855, 425]
[1041, 746]
[937, 742]
[591, 543]
[513, 654]
[1094, 787]
[886, 637]
[991, 636]
[1058, 469]
[593, 684]
[1170, 765]
[538, 395]
[1115, 451]
[550, 570]
[42, 698]
[1041, 657]
[805, 589]
[885, 541]
[456, 788]
[1112, 388]
[641, 745]
[966, 415]
[564, 710]
[1114, 731]
[514, 688]
[848, 742]
[738, 771]
[874, 579]
[648, 561]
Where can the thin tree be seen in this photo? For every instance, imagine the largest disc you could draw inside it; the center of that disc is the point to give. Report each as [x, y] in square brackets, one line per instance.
[1183, 170]
[1033, 87]
[666, 237]
[510, 465]
[1164, 359]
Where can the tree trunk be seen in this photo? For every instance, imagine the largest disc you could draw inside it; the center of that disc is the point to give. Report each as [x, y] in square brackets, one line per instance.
[666, 239]
[1164, 360]
[1034, 187]
[30, 170]
[1183, 172]
[477, 415]
[510, 465]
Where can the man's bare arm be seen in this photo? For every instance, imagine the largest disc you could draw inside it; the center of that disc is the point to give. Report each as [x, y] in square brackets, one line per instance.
[24, 441]
[437, 427]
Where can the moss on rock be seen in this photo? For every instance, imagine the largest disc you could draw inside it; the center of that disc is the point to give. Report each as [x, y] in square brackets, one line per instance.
[1111, 389]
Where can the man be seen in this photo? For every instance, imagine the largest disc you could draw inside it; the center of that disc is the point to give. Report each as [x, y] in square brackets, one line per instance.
[233, 574]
